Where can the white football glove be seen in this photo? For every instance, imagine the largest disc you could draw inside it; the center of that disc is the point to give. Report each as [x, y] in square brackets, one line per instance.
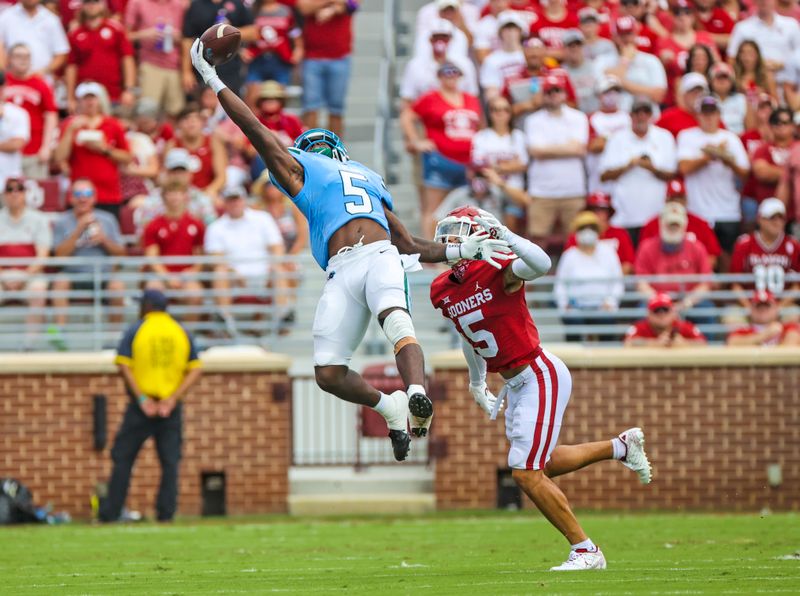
[483, 397]
[482, 247]
[492, 225]
[201, 65]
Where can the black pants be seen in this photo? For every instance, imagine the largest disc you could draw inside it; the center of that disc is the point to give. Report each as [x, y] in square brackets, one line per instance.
[634, 234]
[135, 429]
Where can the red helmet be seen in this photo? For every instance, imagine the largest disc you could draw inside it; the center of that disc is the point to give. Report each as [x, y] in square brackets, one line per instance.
[459, 223]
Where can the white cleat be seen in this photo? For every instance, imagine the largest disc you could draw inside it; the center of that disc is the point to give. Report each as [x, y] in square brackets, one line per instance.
[636, 458]
[582, 560]
[397, 421]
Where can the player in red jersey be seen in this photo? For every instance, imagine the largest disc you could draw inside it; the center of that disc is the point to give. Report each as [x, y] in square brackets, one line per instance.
[488, 308]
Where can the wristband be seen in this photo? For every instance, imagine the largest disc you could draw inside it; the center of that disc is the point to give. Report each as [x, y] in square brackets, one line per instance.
[453, 251]
[217, 85]
[142, 398]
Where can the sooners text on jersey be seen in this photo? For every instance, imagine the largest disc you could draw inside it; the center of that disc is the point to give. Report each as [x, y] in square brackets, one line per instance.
[497, 325]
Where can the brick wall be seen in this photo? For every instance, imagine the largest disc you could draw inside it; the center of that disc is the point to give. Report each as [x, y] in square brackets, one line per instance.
[712, 428]
[237, 419]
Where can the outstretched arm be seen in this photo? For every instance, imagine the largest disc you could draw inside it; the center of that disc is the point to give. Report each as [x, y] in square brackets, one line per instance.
[283, 167]
[429, 251]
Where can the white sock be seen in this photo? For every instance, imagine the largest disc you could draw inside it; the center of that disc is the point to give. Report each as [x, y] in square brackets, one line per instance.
[382, 405]
[620, 448]
[412, 389]
[585, 545]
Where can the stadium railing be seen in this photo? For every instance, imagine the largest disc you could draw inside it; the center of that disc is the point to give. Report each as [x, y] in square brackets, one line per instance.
[257, 314]
[381, 147]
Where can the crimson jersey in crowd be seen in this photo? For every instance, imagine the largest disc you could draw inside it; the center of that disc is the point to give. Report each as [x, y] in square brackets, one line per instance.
[275, 30]
[643, 330]
[34, 96]
[774, 341]
[497, 325]
[551, 32]
[774, 156]
[718, 21]
[175, 238]
[616, 237]
[768, 264]
[287, 126]
[205, 174]
[696, 229]
[98, 54]
[450, 127]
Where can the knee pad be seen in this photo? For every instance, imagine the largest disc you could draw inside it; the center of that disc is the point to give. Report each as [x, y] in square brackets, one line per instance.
[399, 329]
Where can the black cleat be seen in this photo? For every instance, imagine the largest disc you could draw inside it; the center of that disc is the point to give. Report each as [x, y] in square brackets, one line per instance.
[420, 409]
[401, 444]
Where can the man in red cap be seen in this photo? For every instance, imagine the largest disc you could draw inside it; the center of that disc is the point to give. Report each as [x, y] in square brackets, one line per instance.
[696, 228]
[640, 73]
[662, 327]
[646, 37]
[765, 328]
[600, 204]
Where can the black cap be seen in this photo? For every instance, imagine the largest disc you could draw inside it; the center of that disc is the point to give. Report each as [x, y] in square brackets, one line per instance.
[154, 299]
[2, 77]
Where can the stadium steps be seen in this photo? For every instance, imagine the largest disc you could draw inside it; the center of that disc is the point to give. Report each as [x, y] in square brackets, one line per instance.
[376, 489]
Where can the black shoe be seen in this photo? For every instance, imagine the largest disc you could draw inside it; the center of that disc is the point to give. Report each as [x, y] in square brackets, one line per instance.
[401, 444]
[421, 409]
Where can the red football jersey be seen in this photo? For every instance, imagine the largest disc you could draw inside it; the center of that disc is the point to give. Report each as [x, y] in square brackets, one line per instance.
[205, 174]
[753, 329]
[642, 329]
[774, 156]
[35, 96]
[498, 325]
[768, 264]
[551, 32]
[98, 54]
[175, 238]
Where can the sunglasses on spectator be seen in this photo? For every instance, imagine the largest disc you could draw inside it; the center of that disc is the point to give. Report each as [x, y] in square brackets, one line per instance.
[91, 1]
[781, 122]
[15, 188]
[630, 2]
[661, 310]
[679, 11]
[641, 109]
[83, 194]
[499, 108]
[552, 90]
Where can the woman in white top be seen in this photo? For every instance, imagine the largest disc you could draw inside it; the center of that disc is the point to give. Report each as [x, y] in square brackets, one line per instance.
[502, 149]
[734, 107]
[588, 278]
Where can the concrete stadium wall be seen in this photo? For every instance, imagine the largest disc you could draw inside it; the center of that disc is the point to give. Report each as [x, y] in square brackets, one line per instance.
[237, 419]
[714, 419]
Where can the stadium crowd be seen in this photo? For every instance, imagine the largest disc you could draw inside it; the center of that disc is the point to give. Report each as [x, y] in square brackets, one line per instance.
[636, 137]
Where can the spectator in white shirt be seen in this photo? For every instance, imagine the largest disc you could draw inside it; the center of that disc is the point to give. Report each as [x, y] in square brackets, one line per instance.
[711, 159]
[249, 240]
[31, 24]
[463, 16]
[589, 276]
[419, 75]
[508, 59]
[602, 124]
[639, 160]
[640, 74]
[485, 39]
[557, 136]
[778, 37]
[15, 132]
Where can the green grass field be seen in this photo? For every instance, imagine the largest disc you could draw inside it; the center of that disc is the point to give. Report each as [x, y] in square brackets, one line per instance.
[480, 553]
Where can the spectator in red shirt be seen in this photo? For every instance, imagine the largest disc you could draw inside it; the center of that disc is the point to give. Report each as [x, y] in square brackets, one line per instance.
[94, 146]
[269, 105]
[765, 328]
[207, 148]
[691, 88]
[450, 118]
[769, 160]
[696, 228]
[662, 328]
[646, 38]
[277, 48]
[768, 253]
[551, 24]
[155, 26]
[33, 94]
[600, 204]
[673, 50]
[711, 18]
[100, 51]
[176, 233]
[328, 35]
[673, 253]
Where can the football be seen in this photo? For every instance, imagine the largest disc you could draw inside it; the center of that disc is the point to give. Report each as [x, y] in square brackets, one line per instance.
[220, 43]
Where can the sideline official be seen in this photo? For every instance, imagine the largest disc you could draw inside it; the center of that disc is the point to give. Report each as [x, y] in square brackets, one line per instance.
[158, 360]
